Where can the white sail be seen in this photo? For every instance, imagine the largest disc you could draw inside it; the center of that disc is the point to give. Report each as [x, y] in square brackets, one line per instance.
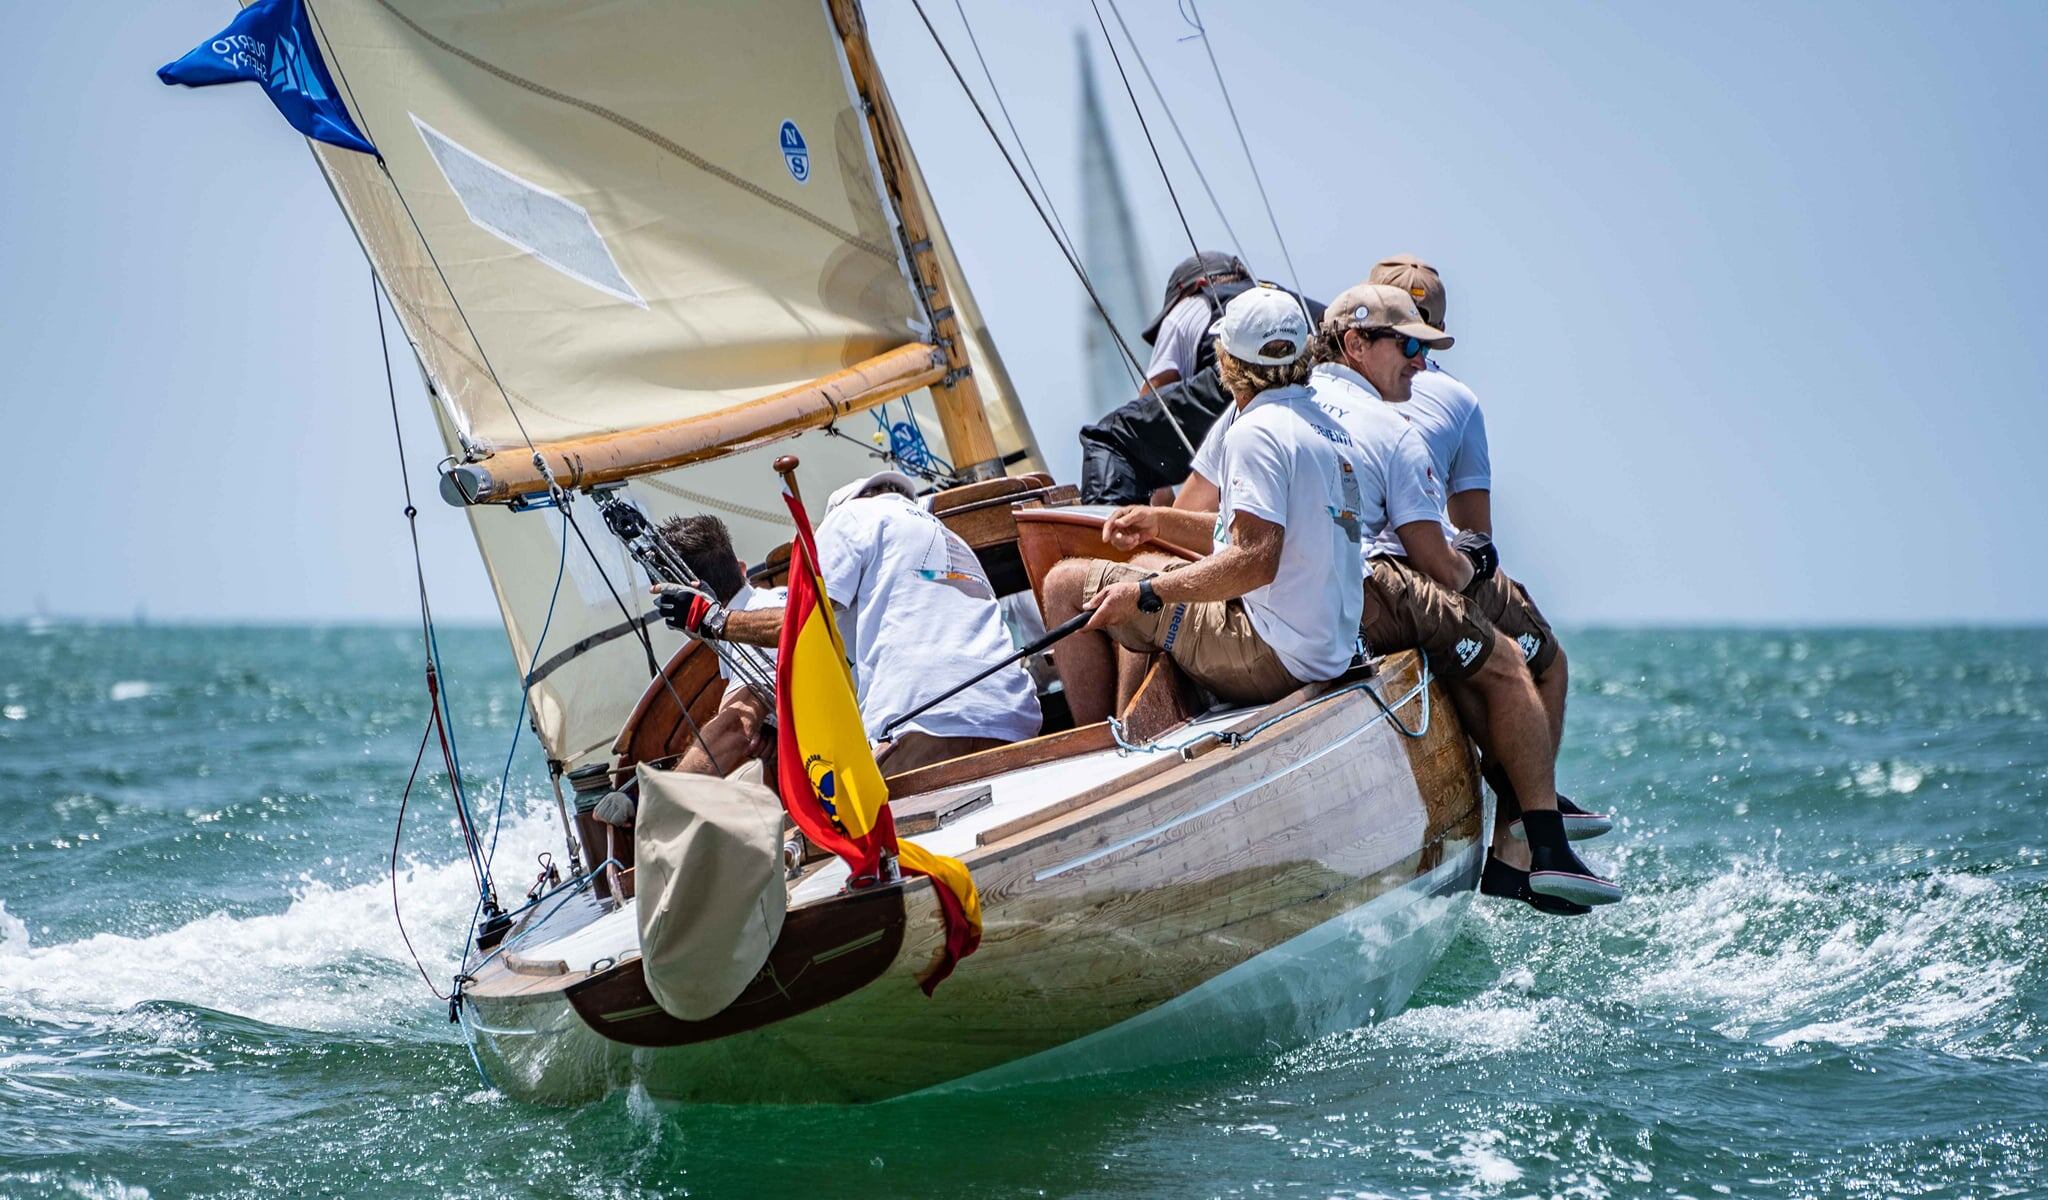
[1110, 252]
[582, 231]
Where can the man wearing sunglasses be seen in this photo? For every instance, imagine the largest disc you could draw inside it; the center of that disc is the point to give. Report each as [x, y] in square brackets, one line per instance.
[1370, 348]
[1447, 416]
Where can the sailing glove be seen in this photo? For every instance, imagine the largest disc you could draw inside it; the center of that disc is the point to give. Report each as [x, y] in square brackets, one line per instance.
[691, 611]
[1479, 548]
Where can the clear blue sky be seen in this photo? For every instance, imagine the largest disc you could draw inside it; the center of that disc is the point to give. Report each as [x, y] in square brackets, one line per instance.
[1751, 292]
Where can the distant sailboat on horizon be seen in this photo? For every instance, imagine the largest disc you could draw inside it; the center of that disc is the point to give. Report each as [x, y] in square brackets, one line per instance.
[1111, 252]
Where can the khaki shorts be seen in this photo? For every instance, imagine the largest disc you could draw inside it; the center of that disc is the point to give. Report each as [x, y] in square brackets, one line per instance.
[1506, 603]
[1407, 610]
[1212, 640]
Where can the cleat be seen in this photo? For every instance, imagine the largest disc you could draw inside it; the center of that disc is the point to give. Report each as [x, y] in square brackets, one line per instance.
[1511, 883]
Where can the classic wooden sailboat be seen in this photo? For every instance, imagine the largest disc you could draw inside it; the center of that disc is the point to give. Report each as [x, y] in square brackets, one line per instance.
[645, 246]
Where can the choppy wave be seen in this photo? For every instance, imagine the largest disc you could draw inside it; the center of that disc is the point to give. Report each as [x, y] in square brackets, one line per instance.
[1830, 977]
[331, 960]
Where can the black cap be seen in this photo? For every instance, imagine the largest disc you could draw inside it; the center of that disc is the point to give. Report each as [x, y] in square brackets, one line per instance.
[1205, 267]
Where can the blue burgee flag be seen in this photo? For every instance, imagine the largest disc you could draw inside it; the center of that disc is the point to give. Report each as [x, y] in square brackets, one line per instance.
[272, 44]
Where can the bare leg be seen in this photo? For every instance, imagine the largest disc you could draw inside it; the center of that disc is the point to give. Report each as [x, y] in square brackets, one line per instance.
[1086, 660]
[1517, 728]
[1472, 713]
[1552, 687]
[730, 740]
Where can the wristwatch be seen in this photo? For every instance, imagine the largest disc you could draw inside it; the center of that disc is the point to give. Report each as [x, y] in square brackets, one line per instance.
[1148, 600]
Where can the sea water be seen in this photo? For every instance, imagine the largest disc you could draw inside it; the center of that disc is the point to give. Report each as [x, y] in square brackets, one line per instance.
[1830, 977]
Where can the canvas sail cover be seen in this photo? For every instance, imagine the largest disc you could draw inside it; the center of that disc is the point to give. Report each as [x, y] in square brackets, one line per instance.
[603, 216]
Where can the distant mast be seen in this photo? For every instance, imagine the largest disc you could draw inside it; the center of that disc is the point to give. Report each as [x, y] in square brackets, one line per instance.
[1109, 251]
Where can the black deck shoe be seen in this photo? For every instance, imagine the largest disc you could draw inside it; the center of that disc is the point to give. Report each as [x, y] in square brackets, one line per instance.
[1579, 825]
[1512, 883]
[1555, 871]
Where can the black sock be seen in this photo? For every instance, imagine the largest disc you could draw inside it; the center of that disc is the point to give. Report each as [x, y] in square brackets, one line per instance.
[1544, 828]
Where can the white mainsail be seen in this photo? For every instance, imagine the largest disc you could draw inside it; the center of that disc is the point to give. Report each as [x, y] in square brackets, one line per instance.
[599, 218]
[1110, 252]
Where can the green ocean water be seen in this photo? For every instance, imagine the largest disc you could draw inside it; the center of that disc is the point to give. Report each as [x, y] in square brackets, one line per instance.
[1830, 979]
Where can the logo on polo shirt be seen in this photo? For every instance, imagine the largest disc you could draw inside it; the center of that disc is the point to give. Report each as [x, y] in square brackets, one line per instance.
[1467, 649]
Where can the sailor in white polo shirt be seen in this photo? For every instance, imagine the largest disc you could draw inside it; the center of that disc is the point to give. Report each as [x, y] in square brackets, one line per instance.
[919, 615]
[1447, 415]
[1370, 348]
[1271, 608]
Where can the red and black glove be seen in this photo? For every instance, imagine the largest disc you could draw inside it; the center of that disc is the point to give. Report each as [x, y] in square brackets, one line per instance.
[691, 611]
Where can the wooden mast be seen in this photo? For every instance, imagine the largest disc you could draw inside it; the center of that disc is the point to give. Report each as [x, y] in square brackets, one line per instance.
[969, 443]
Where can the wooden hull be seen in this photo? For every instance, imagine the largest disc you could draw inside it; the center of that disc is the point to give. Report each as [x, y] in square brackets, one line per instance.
[1261, 894]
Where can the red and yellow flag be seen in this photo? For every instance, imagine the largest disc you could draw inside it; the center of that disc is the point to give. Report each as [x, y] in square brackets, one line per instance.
[830, 783]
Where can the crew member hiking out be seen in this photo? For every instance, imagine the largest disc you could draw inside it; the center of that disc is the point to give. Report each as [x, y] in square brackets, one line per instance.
[1370, 347]
[1447, 415]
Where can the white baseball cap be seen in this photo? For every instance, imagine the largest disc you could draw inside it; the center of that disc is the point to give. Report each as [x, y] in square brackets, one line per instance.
[1257, 317]
[849, 491]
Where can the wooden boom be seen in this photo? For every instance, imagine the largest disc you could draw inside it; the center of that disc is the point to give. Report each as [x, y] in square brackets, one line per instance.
[607, 457]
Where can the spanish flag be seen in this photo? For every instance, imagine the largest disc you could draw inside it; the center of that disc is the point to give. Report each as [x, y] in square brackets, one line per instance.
[830, 782]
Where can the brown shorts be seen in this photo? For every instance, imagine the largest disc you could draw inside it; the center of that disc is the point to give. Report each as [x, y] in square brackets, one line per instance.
[1212, 640]
[1407, 610]
[1506, 603]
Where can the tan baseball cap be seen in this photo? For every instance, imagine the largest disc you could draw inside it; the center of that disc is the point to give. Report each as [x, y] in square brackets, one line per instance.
[1418, 279]
[1383, 306]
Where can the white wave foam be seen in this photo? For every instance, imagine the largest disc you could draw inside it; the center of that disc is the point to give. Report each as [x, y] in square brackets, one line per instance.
[129, 689]
[1788, 960]
[332, 960]
[13, 933]
[93, 1188]
[1479, 1156]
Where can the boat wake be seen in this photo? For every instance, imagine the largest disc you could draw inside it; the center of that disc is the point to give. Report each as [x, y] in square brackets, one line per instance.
[1761, 955]
[331, 960]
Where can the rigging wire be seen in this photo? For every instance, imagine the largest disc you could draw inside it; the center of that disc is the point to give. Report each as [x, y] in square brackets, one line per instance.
[1016, 171]
[519, 718]
[397, 833]
[1174, 123]
[429, 642]
[1062, 235]
[1193, 16]
[1146, 128]
[1135, 368]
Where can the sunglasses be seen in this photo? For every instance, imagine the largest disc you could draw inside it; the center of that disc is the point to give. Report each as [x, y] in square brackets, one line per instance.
[1410, 346]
